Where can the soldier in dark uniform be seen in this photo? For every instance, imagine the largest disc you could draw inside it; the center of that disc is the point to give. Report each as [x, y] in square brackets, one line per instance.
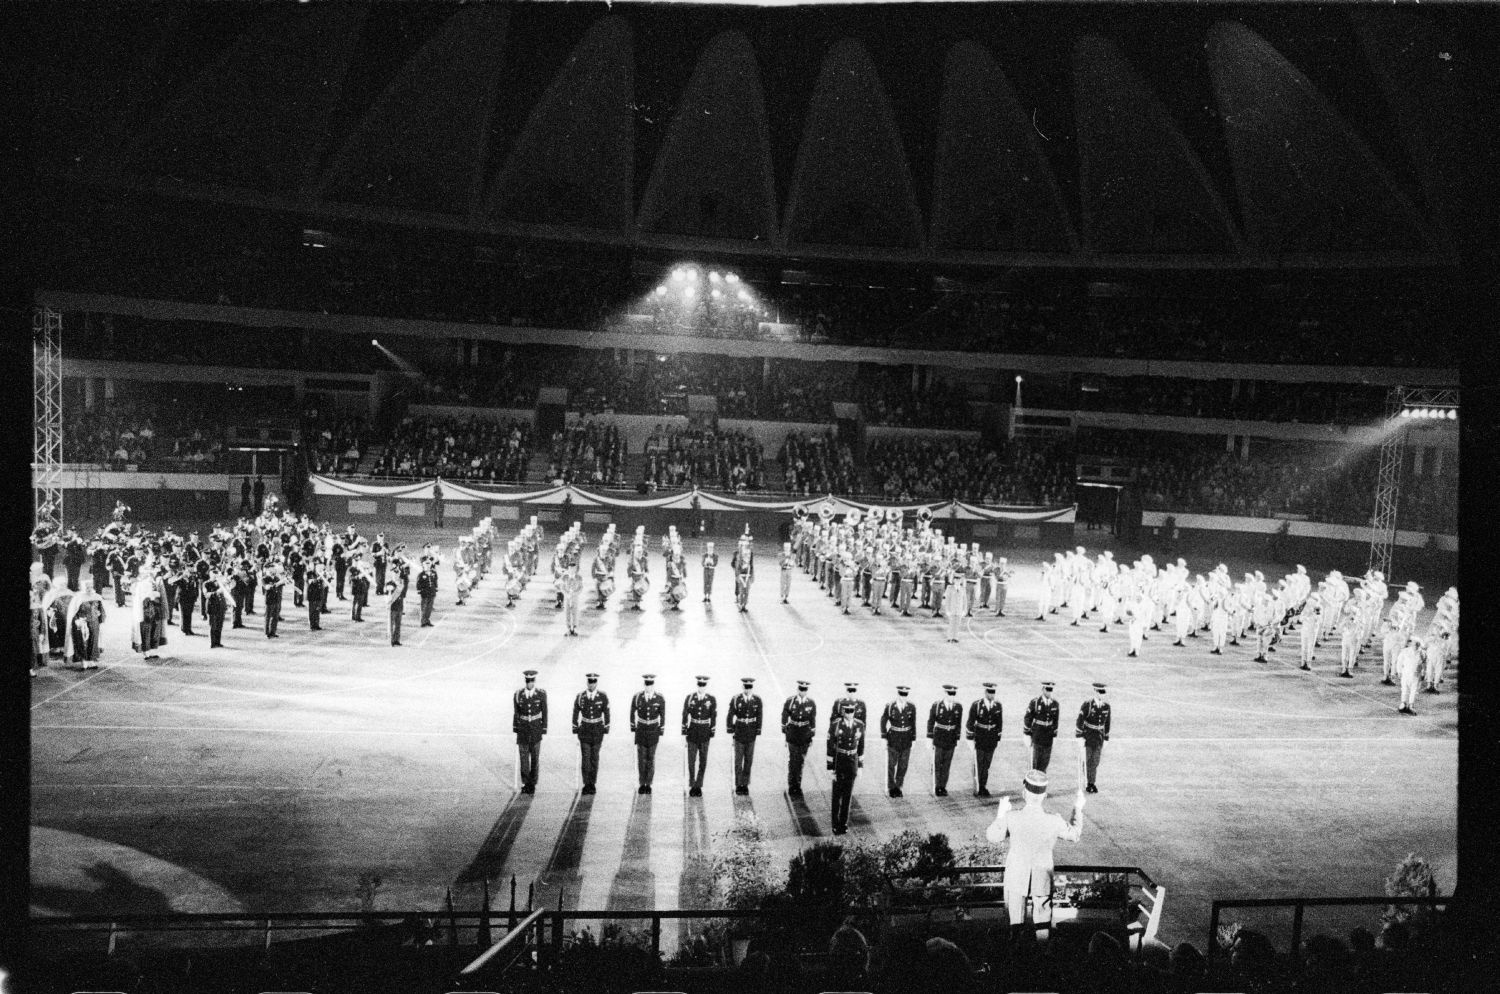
[378, 554]
[744, 572]
[648, 715]
[743, 720]
[115, 563]
[898, 726]
[245, 506]
[700, 713]
[530, 724]
[270, 585]
[260, 495]
[99, 565]
[241, 582]
[437, 511]
[427, 589]
[838, 706]
[317, 594]
[298, 567]
[359, 592]
[187, 598]
[214, 594]
[943, 722]
[75, 554]
[1093, 728]
[340, 568]
[1040, 725]
[710, 563]
[590, 724]
[846, 750]
[395, 602]
[799, 721]
[169, 588]
[984, 729]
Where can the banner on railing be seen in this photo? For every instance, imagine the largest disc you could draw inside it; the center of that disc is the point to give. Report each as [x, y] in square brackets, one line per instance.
[698, 500]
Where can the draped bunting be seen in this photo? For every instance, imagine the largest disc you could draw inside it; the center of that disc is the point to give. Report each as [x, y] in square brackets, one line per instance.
[699, 500]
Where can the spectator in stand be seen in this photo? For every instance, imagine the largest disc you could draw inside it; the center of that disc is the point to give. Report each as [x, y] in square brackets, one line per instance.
[474, 448]
[848, 961]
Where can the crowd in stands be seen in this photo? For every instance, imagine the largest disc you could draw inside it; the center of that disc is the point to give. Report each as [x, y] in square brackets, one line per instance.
[703, 458]
[169, 433]
[587, 453]
[1305, 403]
[334, 443]
[1017, 472]
[818, 464]
[471, 448]
[1329, 483]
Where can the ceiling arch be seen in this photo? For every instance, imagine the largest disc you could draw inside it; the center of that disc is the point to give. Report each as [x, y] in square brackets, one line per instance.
[574, 162]
[713, 175]
[1143, 189]
[851, 184]
[993, 189]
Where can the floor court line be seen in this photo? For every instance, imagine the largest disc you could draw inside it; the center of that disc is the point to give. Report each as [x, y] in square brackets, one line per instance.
[74, 686]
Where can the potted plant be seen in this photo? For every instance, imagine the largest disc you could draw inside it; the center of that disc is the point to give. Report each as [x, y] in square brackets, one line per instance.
[741, 867]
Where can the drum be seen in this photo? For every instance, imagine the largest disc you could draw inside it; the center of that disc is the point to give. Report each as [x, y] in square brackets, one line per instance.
[513, 588]
[679, 591]
[606, 586]
[639, 586]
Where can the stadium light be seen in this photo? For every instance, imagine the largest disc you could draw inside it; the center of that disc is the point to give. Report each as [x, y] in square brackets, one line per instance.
[687, 291]
[744, 295]
[661, 290]
[716, 294]
[677, 273]
[375, 342]
[713, 276]
[730, 277]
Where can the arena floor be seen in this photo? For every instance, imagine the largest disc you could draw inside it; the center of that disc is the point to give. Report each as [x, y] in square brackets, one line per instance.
[283, 776]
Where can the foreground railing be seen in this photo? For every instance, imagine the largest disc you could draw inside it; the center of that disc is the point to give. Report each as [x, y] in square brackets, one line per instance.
[1299, 906]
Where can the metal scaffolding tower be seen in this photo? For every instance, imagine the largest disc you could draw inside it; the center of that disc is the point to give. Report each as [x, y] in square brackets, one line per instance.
[46, 412]
[1388, 487]
[1392, 453]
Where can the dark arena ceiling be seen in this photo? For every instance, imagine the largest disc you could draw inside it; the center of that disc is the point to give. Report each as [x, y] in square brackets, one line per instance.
[968, 134]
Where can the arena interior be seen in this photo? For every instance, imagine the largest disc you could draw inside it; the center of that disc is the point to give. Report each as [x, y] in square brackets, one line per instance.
[1113, 348]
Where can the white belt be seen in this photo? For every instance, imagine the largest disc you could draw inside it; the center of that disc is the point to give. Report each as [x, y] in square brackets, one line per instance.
[899, 728]
[595, 721]
[530, 717]
[648, 721]
[1097, 728]
[978, 725]
[847, 752]
[702, 721]
[802, 724]
[940, 725]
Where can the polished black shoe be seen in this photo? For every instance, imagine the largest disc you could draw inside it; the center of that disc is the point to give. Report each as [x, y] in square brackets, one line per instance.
[695, 792]
[641, 789]
[1347, 675]
[1387, 681]
[982, 792]
[1091, 789]
[646, 789]
[839, 831]
[941, 792]
[897, 793]
[1304, 666]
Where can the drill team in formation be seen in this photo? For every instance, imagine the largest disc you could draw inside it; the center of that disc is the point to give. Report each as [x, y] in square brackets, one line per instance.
[867, 560]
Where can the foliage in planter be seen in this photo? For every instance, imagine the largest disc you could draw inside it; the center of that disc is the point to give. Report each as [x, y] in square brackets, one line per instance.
[619, 959]
[741, 864]
[1106, 891]
[1413, 878]
[705, 947]
[980, 851]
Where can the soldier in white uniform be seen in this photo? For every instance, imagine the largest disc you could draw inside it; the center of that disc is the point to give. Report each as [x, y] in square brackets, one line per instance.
[1033, 832]
[1409, 665]
[1311, 625]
